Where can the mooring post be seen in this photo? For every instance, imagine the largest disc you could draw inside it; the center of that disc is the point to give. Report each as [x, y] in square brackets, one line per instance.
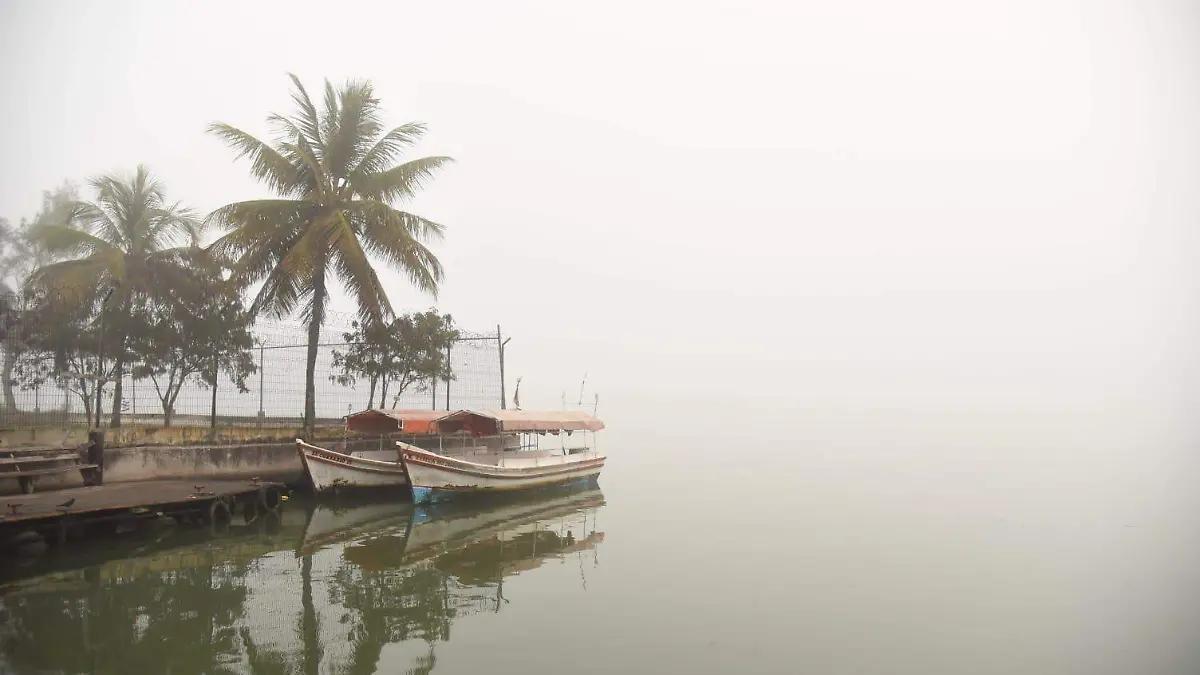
[95, 455]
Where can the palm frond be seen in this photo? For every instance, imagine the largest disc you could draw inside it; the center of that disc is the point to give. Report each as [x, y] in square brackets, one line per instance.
[388, 234]
[308, 123]
[172, 226]
[292, 278]
[266, 164]
[330, 118]
[258, 217]
[358, 127]
[380, 215]
[67, 240]
[83, 273]
[295, 147]
[357, 274]
[400, 182]
[387, 150]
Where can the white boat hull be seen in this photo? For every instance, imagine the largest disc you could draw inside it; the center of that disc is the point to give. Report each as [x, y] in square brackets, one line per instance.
[329, 470]
[434, 477]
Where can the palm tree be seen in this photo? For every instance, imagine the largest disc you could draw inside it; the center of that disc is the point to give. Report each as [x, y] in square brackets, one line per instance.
[337, 178]
[128, 239]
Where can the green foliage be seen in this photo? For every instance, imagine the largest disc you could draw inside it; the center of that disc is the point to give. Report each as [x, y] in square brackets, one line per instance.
[129, 240]
[55, 338]
[410, 351]
[20, 253]
[187, 334]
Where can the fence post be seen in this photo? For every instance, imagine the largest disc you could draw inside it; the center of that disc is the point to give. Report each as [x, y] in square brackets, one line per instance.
[262, 416]
[216, 375]
[448, 374]
[500, 348]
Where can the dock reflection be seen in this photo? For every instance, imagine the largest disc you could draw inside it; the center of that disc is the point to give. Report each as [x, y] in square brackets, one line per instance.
[325, 589]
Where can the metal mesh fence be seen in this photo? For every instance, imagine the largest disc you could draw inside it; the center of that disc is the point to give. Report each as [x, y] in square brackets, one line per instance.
[48, 386]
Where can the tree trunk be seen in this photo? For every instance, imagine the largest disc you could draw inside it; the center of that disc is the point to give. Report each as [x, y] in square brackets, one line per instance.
[87, 401]
[371, 398]
[10, 400]
[119, 376]
[168, 411]
[118, 370]
[212, 420]
[310, 368]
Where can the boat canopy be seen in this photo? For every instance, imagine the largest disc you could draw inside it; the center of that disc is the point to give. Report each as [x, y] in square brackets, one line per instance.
[387, 421]
[492, 422]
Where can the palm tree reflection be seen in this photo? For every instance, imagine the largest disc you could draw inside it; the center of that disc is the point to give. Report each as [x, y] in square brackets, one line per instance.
[366, 579]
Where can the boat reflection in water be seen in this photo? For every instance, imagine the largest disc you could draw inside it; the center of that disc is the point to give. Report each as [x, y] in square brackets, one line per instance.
[325, 589]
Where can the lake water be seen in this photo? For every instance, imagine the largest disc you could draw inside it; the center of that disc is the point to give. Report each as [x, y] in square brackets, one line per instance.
[697, 553]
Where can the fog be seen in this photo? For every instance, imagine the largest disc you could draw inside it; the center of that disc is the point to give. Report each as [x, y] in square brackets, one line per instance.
[894, 303]
[827, 212]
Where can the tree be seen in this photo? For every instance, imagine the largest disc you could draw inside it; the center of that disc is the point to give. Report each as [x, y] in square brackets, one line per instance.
[337, 181]
[55, 338]
[411, 350]
[129, 239]
[199, 327]
[19, 257]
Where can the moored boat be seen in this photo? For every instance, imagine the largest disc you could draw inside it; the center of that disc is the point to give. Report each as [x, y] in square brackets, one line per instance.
[329, 469]
[336, 468]
[464, 470]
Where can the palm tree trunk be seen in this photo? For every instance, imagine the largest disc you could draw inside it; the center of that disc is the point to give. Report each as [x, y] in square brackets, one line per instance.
[118, 373]
[310, 368]
[310, 632]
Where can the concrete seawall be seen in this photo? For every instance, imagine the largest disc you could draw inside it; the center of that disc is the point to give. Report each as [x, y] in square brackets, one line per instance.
[273, 461]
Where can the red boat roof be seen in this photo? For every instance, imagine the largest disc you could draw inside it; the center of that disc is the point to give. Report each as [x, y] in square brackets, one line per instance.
[392, 420]
[499, 421]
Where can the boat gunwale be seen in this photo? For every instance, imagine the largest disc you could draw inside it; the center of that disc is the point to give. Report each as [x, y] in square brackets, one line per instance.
[442, 462]
[376, 465]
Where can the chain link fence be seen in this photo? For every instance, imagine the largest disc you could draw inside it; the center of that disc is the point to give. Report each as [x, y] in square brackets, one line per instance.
[51, 382]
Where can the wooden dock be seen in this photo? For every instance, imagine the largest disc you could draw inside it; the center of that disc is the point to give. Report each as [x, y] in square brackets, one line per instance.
[73, 512]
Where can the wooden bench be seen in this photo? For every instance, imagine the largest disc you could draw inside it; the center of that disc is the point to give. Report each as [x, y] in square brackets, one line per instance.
[29, 463]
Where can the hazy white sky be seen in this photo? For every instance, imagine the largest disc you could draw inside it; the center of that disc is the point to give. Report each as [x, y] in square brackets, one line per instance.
[791, 204]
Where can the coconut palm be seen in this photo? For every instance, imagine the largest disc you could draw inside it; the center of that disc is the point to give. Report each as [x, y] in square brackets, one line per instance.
[127, 240]
[337, 177]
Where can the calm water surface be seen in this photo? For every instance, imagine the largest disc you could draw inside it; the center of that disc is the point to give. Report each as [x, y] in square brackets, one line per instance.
[694, 554]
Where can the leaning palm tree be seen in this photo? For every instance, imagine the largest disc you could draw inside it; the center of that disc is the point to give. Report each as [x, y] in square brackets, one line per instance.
[338, 180]
[127, 240]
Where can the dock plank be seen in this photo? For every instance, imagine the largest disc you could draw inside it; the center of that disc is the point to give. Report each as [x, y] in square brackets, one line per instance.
[36, 459]
[17, 450]
[116, 496]
[46, 472]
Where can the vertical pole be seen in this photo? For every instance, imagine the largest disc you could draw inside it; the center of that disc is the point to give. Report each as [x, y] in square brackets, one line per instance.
[434, 388]
[261, 358]
[500, 346]
[100, 365]
[261, 414]
[448, 377]
[212, 421]
[100, 354]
